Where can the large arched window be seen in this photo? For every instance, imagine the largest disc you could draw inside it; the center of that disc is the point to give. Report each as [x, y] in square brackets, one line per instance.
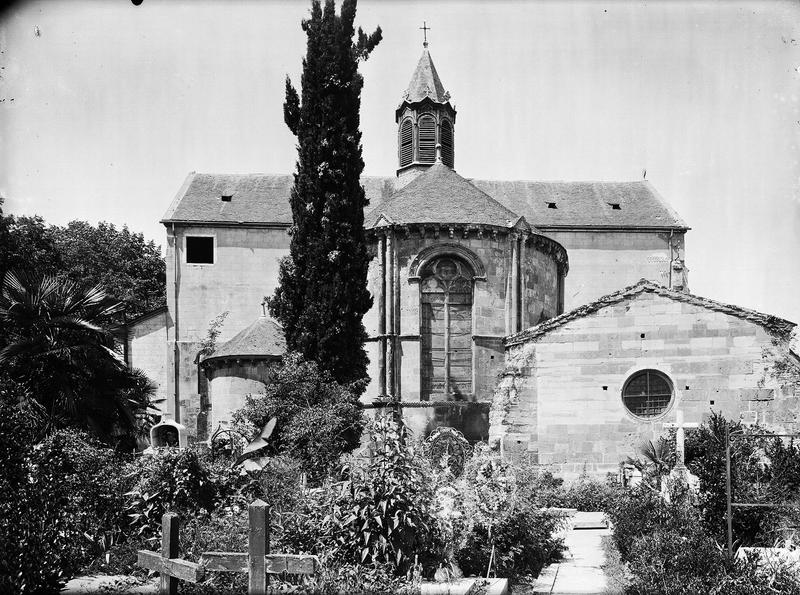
[447, 143]
[427, 139]
[647, 393]
[446, 333]
[406, 142]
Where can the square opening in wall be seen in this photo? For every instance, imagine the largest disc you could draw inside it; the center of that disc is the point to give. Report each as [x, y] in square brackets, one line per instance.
[552, 205]
[199, 250]
[615, 206]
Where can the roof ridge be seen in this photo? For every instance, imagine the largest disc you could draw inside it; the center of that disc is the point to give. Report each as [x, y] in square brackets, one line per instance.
[779, 325]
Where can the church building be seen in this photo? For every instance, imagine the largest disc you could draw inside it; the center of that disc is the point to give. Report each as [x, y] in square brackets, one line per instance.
[486, 296]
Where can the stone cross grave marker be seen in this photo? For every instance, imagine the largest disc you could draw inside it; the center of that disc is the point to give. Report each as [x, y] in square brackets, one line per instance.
[680, 425]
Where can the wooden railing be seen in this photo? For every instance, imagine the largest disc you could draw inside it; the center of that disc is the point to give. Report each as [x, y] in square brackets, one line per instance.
[257, 562]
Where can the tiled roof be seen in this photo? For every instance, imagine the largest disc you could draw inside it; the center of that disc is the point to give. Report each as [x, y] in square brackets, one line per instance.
[440, 195]
[262, 338]
[582, 204]
[255, 198]
[425, 82]
[263, 199]
[776, 325]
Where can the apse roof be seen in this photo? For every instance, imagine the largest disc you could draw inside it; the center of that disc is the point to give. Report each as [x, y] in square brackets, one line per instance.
[262, 338]
[775, 324]
[263, 200]
[440, 195]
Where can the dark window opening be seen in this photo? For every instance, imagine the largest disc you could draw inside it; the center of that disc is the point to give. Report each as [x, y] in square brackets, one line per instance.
[552, 205]
[615, 206]
[647, 394]
[199, 250]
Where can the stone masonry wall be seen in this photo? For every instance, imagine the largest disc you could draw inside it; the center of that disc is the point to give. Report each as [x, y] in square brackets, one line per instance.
[244, 271]
[601, 262]
[559, 403]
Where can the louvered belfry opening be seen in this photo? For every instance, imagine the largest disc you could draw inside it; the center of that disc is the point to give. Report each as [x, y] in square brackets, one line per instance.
[447, 143]
[427, 139]
[406, 142]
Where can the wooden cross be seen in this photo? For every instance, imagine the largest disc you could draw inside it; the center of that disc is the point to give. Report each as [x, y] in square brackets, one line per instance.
[679, 436]
[425, 30]
[167, 563]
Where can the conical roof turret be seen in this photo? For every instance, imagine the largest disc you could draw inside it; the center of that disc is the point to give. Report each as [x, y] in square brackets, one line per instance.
[425, 82]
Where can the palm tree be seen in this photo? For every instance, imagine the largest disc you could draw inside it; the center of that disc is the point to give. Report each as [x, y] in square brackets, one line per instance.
[58, 349]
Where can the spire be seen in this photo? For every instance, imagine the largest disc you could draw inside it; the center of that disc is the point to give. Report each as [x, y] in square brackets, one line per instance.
[425, 83]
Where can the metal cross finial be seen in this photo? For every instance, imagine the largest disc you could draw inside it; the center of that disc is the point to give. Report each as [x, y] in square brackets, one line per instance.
[264, 307]
[425, 30]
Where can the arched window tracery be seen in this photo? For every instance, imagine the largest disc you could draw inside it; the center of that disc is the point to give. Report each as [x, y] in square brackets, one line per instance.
[446, 333]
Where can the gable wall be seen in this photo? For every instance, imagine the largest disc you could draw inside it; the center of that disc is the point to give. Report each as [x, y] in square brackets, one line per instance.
[602, 262]
[552, 408]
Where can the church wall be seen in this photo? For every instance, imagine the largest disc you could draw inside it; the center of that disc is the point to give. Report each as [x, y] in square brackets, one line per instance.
[147, 351]
[245, 270]
[560, 404]
[602, 262]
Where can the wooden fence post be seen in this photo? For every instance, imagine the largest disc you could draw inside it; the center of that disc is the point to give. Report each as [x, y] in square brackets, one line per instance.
[257, 547]
[170, 523]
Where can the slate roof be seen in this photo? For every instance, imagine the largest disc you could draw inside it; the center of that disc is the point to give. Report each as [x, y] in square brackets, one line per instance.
[440, 195]
[425, 82]
[584, 204]
[262, 338]
[263, 199]
[774, 324]
[255, 198]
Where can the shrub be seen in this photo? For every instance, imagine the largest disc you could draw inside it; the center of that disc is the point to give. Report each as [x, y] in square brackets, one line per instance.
[318, 418]
[383, 513]
[60, 505]
[636, 513]
[585, 494]
[168, 480]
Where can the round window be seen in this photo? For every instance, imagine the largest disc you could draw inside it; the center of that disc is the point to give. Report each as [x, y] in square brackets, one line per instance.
[647, 393]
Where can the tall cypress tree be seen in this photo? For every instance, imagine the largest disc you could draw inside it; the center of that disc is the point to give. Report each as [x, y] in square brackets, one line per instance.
[322, 295]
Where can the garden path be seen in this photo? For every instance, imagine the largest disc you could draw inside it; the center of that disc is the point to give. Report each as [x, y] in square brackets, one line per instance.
[580, 572]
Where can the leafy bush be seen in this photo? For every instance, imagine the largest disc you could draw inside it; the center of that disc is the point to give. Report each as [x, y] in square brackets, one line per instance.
[751, 479]
[169, 480]
[60, 504]
[318, 418]
[383, 512]
[585, 494]
[499, 513]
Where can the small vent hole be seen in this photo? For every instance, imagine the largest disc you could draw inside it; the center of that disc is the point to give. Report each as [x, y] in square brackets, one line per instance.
[552, 205]
[615, 206]
[605, 388]
[711, 402]
[226, 197]
[641, 336]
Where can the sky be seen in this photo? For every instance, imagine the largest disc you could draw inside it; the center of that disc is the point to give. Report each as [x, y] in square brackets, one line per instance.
[105, 107]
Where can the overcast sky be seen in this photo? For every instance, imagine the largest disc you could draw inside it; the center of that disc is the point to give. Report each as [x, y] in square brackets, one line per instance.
[106, 106]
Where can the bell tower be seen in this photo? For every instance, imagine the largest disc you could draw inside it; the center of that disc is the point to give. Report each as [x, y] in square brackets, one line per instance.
[425, 121]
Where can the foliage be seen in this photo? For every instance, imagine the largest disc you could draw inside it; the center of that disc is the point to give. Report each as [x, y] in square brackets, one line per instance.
[322, 294]
[499, 514]
[585, 494]
[382, 513]
[61, 354]
[209, 343]
[705, 457]
[169, 480]
[318, 419]
[128, 268]
[60, 504]
[656, 461]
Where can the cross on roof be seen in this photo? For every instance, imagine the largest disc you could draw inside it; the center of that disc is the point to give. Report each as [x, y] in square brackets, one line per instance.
[425, 30]
[264, 306]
